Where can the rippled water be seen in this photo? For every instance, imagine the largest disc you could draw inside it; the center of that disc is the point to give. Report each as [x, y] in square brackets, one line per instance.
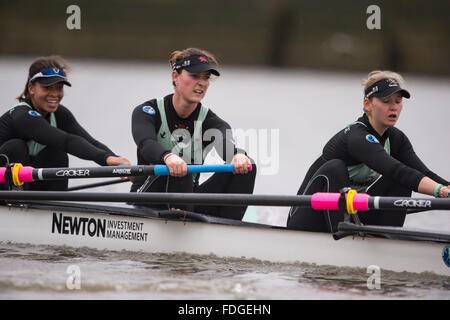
[28, 272]
[306, 107]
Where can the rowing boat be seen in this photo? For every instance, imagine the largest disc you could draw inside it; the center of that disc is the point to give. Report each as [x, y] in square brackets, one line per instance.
[67, 218]
[125, 227]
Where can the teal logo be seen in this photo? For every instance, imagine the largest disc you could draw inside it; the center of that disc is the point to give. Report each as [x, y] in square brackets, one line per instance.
[371, 138]
[34, 113]
[149, 110]
[446, 255]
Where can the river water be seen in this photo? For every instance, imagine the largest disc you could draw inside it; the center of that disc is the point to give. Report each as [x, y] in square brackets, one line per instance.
[282, 118]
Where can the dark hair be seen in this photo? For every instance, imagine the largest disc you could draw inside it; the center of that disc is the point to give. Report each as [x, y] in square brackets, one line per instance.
[178, 56]
[40, 64]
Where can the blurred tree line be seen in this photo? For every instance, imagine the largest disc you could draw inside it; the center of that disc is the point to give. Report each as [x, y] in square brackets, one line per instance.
[322, 34]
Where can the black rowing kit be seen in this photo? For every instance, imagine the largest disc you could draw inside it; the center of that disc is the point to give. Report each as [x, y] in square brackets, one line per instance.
[158, 130]
[28, 138]
[358, 157]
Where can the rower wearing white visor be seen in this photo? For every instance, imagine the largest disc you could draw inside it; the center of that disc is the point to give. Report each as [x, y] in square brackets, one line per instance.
[372, 156]
[40, 132]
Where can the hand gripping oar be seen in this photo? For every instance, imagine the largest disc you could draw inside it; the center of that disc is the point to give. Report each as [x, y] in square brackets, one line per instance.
[29, 174]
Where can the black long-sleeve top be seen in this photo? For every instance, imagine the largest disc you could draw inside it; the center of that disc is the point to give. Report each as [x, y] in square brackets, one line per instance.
[68, 136]
[355, 145]
[145, 127]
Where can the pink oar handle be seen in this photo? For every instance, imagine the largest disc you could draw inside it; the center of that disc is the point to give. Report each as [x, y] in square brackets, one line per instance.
[25, 174]
[325, 201]
[361, 202]
[330, 201]
[2, 174]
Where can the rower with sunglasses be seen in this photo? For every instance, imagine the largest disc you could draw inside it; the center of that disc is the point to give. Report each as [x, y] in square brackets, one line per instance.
[40, 132]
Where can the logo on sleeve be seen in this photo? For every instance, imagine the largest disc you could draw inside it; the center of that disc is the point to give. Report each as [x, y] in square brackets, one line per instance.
[371, 138]
[446, 255]
[148, 109]
[347, 129]
[34, 113]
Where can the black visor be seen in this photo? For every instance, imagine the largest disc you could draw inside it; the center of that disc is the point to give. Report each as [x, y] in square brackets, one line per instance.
[46, 82]
[196, 64]
[385, 88]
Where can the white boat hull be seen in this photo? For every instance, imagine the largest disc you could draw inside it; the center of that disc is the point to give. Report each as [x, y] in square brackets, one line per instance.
[44, 227]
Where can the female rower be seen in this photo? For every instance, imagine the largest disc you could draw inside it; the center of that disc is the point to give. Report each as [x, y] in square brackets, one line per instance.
[177, 130]
[40, 132]
[371, 156]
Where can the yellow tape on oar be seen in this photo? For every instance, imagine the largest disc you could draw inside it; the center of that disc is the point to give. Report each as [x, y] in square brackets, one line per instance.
[15, 174]
[350, 195]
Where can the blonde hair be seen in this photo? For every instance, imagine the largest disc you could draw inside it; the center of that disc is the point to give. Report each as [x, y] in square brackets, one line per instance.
[377, 75]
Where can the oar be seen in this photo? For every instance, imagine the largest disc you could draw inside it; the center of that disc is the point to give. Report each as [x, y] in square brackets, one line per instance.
[398, 231]
[98, 184]
[29, 174]
[318, 201]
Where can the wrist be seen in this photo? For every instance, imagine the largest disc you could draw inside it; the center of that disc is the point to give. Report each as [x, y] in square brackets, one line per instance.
[239, 151]
[437, 190]
[167, 156]
[107, 159]
[107, 155]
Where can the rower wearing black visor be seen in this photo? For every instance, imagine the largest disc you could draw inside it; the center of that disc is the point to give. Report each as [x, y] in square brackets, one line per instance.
[178, 129]
[369, 155]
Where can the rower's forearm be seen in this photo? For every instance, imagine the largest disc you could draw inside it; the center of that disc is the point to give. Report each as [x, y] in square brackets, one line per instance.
[427, 186]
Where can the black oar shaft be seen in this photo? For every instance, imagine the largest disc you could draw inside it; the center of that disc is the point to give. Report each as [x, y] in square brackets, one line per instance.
[398, 231]
[422, 204]
[161, 198]
[386, 203]
[98, 184]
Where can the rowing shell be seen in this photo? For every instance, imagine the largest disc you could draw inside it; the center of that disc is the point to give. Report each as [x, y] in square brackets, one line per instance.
[138, 229]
